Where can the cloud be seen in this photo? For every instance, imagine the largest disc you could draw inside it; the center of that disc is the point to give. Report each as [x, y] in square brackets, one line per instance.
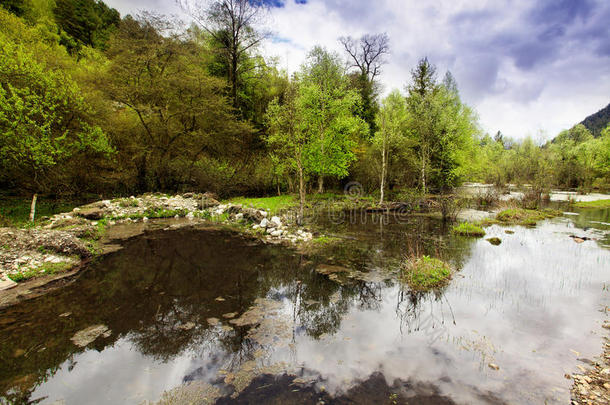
[524, 66]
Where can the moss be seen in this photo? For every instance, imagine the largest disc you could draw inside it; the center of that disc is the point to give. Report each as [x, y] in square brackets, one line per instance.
[425, 273]
[495, 241]
[468, 229]
[324, 240]
[600, 204]
[45, 269]
[526, 217]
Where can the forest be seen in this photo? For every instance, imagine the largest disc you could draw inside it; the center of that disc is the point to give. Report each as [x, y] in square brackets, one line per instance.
[92, 103]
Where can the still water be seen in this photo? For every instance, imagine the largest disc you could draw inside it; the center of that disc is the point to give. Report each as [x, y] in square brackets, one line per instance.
[209, 315]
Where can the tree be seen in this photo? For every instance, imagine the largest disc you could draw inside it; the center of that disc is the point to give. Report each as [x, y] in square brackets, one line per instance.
[44, 121]
[233, 26]
[287, 135]
[185, 124]
[367, 56]
[329, 115]
[392, 123]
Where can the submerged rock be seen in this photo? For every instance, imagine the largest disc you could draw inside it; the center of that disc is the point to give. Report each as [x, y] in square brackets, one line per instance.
[84, 337]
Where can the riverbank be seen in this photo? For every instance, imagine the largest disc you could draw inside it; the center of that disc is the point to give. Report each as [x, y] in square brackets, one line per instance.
[593, 385]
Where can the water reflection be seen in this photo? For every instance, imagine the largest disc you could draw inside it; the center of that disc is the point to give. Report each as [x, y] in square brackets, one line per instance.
[213, 307]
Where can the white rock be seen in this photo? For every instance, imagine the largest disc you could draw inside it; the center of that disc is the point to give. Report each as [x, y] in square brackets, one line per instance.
[239, 216]
[270, 230]
[264, 213]
[277, 233]
[190, 216]
[264, 223]
[256, 226]
[276, 221]
[145, 219]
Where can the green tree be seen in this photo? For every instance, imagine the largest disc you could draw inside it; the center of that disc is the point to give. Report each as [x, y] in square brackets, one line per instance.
[43, 121]
[392, 121]
[329, 115]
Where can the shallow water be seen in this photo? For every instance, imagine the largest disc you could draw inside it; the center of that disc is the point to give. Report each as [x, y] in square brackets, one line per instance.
[533, 306]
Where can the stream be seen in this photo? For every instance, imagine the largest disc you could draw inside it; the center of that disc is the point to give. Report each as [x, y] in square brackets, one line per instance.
[208, 315]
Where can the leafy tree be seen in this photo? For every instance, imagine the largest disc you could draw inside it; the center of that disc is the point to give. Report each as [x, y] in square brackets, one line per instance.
[43, 120]
[185, 123]
[233, 25]
[329, 109]
[392, 121]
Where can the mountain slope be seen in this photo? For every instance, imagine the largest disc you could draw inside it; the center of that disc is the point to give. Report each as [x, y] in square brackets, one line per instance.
[598, 121]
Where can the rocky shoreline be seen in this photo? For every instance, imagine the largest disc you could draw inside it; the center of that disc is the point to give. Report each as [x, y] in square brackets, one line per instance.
[593, 386]
[51, 251]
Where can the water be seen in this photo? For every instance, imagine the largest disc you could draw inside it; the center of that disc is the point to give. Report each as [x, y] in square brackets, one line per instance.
[533, 306]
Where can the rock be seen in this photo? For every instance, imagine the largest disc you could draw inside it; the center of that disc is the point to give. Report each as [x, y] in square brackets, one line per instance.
[256, 226]
[92, 213]
[495, 241]
[145, 219]
[509, 232]
[252, 215]
[187, 326]
[270, 230]
[276, 221]
[190, 216]
[264, 223]
[187, 195]
[494, 366]
[263, 213]
[277, 233]
[88, 335]
[7, 284]
[239, 216]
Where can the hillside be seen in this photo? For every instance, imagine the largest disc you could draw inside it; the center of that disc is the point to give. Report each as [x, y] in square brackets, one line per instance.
[598, 121]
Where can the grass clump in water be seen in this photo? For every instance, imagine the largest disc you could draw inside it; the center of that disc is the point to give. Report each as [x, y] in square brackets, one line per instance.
[495, 241]
[468, 229]
[425, 273]
[600, 204]
[525, 217]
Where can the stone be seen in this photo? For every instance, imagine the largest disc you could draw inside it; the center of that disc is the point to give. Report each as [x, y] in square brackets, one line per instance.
[91, 213]
[6, 284]
[276, 221]
[84, 337]
[277, 233]
[264, 223]
[239, 216]
[494, 366]
[190, 216]
[264, 213]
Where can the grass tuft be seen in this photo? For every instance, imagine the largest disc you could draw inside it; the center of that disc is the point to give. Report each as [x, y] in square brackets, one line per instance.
[525, 217]
[45, 269]
[425, 273]
[468, 229]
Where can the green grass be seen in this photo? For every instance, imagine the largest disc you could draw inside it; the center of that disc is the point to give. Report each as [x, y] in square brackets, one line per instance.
[468, 229]
[325, 240]
[425, 273]
[45, 269]
[273, 205]
[600, 204]
[525, 217]
[15, 211]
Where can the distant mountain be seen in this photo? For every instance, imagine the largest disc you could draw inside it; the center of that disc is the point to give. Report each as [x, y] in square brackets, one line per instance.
[598, 121]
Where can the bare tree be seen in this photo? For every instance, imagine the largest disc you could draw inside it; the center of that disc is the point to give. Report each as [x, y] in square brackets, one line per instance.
[233, 26]
[367, 53]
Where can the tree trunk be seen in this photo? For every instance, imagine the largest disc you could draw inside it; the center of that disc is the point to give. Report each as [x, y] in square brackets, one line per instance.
[320, 184]
[33, 208]
[383, 171]
[301, 195]
[423, 174]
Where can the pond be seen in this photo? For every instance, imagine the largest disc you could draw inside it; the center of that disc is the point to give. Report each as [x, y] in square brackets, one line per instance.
[208, 315]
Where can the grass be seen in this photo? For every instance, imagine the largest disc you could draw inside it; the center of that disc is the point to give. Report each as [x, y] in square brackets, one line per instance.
[324, 240]
[600, 204]
[425, 273]
[15, 211]
[523, 216]
[495, 241]
[468, 229]
[45, 269]
[273, 205]
[153, 213]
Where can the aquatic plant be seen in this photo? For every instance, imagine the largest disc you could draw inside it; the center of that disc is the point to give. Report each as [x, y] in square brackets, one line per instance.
[424, 273]
[468, 229]
[526, 217]
[600, 204]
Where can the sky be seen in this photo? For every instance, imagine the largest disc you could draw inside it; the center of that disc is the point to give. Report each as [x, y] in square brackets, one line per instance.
[527, 67]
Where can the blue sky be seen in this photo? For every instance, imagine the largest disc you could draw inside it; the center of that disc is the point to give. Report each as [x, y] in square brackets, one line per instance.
[527, 67]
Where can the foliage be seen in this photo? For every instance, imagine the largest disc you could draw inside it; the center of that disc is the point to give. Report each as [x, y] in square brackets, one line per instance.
[425, 273]
[468, 229]
[597, 122]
